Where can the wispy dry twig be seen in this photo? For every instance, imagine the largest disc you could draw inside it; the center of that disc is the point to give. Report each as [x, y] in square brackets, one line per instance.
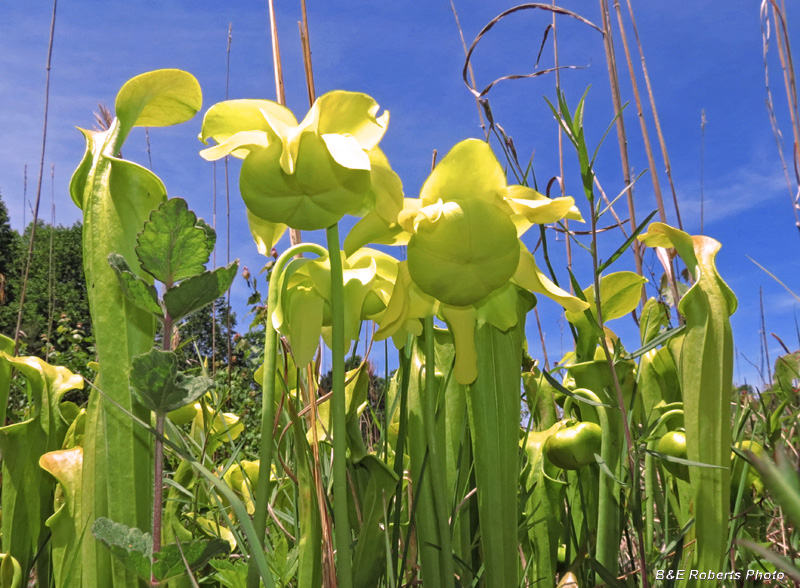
[24, 286]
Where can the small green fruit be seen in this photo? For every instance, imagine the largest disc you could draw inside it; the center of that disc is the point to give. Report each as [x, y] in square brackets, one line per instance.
[753, 478]
[574, 446]
[674, 445]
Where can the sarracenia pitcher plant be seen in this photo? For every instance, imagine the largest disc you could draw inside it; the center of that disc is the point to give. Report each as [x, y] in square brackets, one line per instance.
[116, 197]
[439, 476]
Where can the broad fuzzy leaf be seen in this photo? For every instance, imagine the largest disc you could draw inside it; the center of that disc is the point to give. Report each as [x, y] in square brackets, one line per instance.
[136, 289]
[159, 386]
[174, 244]
[195, 292]
[135, 549]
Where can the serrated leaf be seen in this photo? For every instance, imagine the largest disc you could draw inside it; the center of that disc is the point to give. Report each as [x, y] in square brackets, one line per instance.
[133, 547]
[198, 553]
[173, 244]
[158, 385]
[194, 293]
[137, 290]
[230, 574]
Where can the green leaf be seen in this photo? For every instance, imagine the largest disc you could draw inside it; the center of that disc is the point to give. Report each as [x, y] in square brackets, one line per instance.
[620, 293]
[195, 292]
[374, 482]
[655, 342]
[169, 563]
[159, 386]
[493, 405]
[654, 316]
[10, 573]
[782, 483]
[137, 290]
[27, 497]
[450, 422]
[306, 559]
[6, 346]
[173, 244]
[66, 525]
[787, 372]
[543, 504]
[628, 242]
[706, 377]
[130, 545]
[158, 99]
[135, 549]
[230, 574]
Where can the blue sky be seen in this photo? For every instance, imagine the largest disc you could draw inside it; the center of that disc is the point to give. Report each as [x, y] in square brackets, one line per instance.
[701, 55]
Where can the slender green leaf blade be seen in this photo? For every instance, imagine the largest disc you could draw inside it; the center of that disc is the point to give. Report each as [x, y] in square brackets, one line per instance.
[624, 247]
[655, 342]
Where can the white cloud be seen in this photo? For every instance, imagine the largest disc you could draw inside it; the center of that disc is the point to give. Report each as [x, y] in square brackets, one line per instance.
[737, 191]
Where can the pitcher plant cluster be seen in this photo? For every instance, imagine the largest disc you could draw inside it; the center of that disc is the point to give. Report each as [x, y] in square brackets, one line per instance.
[488, 469]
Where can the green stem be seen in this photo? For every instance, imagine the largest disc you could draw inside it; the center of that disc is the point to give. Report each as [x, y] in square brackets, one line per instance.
[342, 535]
[437, 467]
[607, 549]
[158, 491]
[158, 473]
[650, 485]
[263, 489]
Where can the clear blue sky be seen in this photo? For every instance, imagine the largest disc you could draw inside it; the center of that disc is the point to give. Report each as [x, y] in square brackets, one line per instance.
[701, 55]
